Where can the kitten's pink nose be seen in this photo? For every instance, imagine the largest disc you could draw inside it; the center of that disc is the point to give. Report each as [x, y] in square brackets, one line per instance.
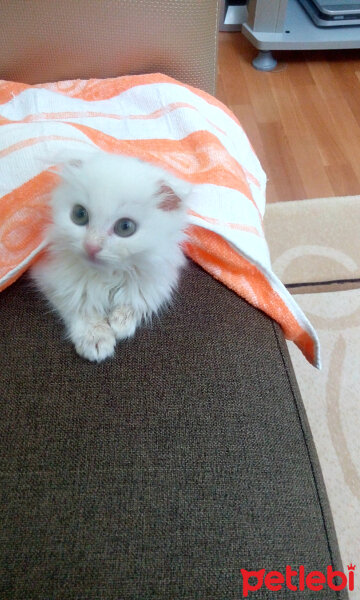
[92, 248]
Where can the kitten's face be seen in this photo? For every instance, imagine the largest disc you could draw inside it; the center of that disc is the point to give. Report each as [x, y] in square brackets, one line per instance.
[110, 209]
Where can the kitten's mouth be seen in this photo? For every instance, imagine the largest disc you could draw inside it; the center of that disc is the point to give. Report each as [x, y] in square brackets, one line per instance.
[93, 260]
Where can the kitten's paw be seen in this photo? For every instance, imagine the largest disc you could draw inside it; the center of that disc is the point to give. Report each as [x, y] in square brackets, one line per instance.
[96, 342]
[123, 322]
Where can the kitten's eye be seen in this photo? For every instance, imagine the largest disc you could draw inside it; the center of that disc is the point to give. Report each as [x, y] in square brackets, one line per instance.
[79, 215]
[124, 227]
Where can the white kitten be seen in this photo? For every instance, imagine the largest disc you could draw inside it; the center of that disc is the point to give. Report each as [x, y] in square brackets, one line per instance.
[114, 253]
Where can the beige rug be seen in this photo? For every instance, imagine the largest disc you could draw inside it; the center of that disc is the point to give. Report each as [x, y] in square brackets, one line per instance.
[315, 250]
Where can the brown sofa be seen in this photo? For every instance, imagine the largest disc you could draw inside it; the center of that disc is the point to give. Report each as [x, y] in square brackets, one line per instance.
[162, 473]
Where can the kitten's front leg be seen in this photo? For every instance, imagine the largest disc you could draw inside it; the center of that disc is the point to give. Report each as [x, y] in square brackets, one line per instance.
[124, 321]
[93, 338]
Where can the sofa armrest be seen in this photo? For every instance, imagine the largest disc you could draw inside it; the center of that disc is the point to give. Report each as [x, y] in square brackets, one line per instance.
[160, 473]
[44, 41]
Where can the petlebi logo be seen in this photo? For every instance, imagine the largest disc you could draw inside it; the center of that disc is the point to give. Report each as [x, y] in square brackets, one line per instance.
[313, 580]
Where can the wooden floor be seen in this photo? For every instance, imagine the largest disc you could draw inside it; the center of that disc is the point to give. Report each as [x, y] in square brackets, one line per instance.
[302, 119]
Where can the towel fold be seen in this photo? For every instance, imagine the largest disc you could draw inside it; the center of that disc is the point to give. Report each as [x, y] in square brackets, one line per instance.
[167, 123]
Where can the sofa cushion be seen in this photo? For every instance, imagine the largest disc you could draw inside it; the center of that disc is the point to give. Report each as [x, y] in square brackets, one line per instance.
[163, 472]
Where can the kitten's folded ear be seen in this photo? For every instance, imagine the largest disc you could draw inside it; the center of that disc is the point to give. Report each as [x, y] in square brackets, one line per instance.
[172, 193]
[71, 168]
[67, 169]
[68, 162]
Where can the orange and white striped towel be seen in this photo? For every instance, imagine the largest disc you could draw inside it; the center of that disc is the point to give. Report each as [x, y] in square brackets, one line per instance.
[163, 121]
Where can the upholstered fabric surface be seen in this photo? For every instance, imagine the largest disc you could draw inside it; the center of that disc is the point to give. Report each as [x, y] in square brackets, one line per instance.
[163, 472]
[48, 41]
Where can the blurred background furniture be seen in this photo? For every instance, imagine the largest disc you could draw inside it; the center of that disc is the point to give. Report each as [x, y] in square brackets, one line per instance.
[232, 14]
[50, 41]
[285, 25]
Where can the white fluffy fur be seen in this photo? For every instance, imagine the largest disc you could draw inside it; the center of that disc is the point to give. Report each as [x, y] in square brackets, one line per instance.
[105, 300]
